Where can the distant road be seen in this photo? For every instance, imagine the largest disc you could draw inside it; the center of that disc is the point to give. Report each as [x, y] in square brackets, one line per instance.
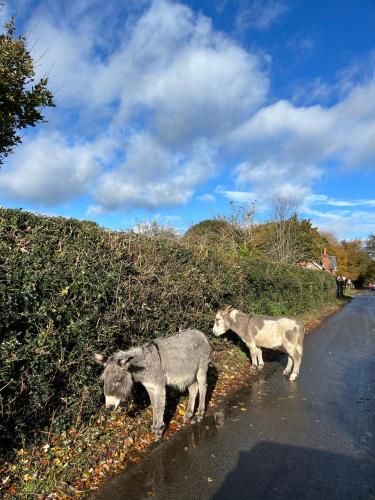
[309, 439]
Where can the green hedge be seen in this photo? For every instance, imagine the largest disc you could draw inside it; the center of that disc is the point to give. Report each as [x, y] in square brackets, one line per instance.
[70, 288]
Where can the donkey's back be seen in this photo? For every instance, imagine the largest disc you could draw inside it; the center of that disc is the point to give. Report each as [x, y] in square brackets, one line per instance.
[183, 356]
[273, 331]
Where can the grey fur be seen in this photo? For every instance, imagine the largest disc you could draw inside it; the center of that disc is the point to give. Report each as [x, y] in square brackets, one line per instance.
[180, 361]
[273, 332]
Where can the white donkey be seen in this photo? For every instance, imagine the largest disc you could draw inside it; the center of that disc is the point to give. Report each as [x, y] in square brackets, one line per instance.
[272, 332]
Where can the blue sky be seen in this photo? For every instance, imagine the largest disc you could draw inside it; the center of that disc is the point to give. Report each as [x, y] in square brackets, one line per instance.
[171, 110]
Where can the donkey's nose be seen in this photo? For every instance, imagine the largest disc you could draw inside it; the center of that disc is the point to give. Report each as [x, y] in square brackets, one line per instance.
[111, 407]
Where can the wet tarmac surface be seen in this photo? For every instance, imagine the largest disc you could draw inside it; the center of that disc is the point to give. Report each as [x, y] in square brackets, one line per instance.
[313, 438]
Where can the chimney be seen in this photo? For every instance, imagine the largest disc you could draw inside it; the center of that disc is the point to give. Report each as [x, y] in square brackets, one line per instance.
[325, 260]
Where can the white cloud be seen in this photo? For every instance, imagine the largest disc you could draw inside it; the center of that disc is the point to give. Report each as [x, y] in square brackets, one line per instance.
[313, 91]
[207, 198]
[171, 76]
[171, 68]
[237, 196]
[151, 176]
[289, 147]
[339, 217]
[287, 131]
[346, 224]
[94, 210]
[322, 199]
[48, 170]
[186, 79]
[259, 14]
[271, 177]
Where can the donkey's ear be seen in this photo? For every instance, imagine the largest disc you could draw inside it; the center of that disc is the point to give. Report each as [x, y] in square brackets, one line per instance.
[124, 362]
[100, 359]
[226, 309]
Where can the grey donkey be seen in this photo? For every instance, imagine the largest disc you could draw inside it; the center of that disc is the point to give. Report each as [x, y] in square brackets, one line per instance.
[272, 332]
[181, 361]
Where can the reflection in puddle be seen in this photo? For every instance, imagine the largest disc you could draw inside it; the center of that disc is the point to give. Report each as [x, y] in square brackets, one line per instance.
[157, 469]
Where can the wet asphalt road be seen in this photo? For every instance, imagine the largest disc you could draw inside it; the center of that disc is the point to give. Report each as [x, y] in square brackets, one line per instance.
[313, 438]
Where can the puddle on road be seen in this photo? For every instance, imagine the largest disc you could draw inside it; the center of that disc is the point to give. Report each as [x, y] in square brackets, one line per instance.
[156, 469]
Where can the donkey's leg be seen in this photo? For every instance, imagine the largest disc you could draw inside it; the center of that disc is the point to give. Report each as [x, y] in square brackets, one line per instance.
[289, 366]
[159, 410]
[253, 354]
[151, 393]
[202, 384]
[193, 390]
[260, 359]
[298, 351]
[290, 350]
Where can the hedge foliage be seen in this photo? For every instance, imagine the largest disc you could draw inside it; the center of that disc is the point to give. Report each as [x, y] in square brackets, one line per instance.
[70, 288]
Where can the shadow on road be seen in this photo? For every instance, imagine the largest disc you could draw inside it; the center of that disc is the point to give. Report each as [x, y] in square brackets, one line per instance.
[268, 471]
[278, 471]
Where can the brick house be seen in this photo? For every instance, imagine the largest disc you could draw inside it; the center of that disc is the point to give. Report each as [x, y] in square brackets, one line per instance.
[329, 262]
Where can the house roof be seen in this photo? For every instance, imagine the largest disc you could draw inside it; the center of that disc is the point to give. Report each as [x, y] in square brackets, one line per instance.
[317, 265]
[310, 265]
[332, 262]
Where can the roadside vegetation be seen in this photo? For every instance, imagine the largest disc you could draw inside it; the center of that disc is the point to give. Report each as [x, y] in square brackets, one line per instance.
[70, 288]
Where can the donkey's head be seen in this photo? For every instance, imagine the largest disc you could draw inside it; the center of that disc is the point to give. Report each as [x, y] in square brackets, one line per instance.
[222, 321]
[117, 377]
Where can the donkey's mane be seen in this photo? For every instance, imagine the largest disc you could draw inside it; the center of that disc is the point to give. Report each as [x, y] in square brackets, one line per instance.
[135, 351]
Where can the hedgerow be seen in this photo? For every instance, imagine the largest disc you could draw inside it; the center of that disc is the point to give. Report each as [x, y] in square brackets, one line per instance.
[69, 288]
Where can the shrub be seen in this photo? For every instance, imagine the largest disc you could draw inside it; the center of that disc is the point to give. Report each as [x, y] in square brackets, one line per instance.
[70, 288]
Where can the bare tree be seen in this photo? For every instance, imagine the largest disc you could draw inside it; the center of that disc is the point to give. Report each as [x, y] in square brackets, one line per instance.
[242, 215]
[152, 229]
[240, 226]
[284, 246]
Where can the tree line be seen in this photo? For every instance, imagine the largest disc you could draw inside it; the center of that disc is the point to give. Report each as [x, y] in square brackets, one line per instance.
[285, 238]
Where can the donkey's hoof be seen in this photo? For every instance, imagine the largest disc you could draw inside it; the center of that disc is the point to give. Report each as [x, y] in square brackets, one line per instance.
[293, 376]
[158, 431]
[199, 417]
[158, 436]
[187, 417]
[286, 373]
